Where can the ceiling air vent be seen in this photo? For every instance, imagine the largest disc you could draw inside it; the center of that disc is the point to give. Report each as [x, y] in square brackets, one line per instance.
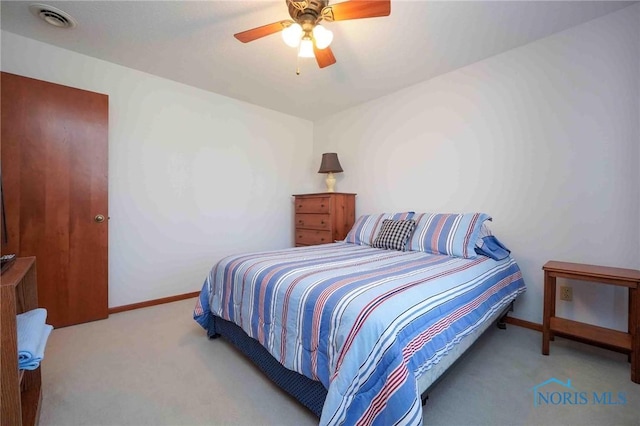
[52, 15]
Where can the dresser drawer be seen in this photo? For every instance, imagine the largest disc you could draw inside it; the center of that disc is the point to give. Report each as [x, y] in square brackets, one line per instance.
[311, 237]
[313, 221]
[313, 205]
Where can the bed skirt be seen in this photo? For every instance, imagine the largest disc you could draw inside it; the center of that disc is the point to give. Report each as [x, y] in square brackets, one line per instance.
[309, 392]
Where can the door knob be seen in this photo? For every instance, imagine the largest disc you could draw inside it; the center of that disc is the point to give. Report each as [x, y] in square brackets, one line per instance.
[99, 218]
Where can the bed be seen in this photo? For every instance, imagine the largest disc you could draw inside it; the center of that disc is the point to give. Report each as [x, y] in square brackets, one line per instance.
[355, 332]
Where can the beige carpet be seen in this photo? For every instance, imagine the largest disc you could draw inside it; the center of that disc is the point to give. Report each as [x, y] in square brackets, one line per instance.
[155, 366]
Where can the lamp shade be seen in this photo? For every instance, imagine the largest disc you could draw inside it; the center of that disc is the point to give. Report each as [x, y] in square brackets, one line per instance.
[306, 48]
[292, 35]
[330, 163]
[322, 36]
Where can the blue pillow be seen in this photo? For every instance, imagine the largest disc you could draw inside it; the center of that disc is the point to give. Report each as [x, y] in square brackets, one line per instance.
[449, 234]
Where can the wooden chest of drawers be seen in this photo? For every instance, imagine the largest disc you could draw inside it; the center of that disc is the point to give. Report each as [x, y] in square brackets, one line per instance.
[323, 218]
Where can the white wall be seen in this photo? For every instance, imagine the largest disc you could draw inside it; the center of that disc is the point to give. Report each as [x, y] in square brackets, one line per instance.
[193, 176]
[545, 138]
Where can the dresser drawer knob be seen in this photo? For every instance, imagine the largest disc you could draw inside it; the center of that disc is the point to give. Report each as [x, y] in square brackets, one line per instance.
[322, 205]
[322, 222]
[301, 222]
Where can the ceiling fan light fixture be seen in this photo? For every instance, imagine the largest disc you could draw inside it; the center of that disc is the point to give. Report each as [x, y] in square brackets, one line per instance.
[292, 35]
[323, 36]
[306, 48]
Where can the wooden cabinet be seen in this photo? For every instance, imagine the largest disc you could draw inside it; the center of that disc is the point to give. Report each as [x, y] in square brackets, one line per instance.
[21, 389]
[323, 218]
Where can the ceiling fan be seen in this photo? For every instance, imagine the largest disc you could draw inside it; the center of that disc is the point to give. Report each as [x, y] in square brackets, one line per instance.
[305, 31]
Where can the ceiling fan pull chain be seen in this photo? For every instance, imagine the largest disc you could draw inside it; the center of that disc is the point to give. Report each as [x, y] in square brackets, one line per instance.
[298, 63]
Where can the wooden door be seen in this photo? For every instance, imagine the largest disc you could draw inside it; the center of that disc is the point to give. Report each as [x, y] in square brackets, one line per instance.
[54, 173]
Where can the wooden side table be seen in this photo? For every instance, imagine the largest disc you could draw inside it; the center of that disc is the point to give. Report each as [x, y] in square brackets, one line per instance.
[628, 342]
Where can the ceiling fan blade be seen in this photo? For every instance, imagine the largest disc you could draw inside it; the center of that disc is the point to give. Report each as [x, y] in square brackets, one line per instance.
[324, 57]
[357, 9]
[265, 30]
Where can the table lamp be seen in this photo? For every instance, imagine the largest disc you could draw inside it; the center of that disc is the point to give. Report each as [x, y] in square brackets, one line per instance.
[330, 165]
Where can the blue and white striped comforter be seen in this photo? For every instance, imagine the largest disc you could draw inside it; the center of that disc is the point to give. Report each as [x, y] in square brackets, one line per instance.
[365, 322]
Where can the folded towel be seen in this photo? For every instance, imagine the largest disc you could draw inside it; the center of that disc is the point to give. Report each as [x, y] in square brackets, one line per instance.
[34, 362]
[493, 248]
[32, 338]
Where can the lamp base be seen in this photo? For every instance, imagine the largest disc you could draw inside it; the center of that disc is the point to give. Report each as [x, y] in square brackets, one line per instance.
[331, 182]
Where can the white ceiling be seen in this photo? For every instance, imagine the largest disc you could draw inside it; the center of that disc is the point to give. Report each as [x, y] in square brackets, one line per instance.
[192, 42]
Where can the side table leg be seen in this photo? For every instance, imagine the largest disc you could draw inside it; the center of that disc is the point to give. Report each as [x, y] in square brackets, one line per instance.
[634, 330]
[631, 329]
[548, 310]
[552, 335]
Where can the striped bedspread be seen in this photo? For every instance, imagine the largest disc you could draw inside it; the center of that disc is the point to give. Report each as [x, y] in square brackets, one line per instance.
[365, 322]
